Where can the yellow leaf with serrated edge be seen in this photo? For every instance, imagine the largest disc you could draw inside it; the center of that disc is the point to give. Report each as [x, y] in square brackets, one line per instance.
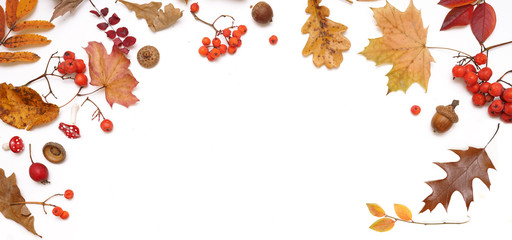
[8, 57]
[403, 212]
[2, 23]
[383, 225]
[326, 40]
[10, 12]
[24, 7]
[33, 24]
[25, 39]
[375, 210]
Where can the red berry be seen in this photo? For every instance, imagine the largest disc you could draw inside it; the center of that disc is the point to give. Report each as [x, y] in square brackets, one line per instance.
[415, 109]
[273, 39]
[68, 194]
[488, 98]
[507, 95]
[210, 57]
[60, 68]
[215, 52]
[129, 41]
[114, 19]
[473, 88]
[57, 211]
[16, 144]
[64, 215]
[470, 68]
[507, 108]
[102, 26]
[485, 74]
[38, 172]
[194, 7]
[206, 41]
[239, 43]
[484, 87]
[506, 118]
[478, 99]
[81, 80]
[203, 51]
[233, 41]
[458, 71]
[69, 55]
[223, 48]
[231, 49]
[106, 125]
[480, 58]
[496, 89]
[69, 66]
[216, 42]
[122, 32]
[226, 32]
[497, 106]
[237, 34]
[470, 78]
[80, 65]
[242, 29]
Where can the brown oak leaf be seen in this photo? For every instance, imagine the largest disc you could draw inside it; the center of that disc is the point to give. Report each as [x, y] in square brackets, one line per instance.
[326, 40]
[111, 72]
[65, 6]
[10, 193]
[403, 44]
[154, 16]
[473, 163]
[22, 107]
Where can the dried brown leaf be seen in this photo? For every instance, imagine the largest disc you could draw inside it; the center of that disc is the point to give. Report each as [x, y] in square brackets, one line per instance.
[8, 57]
[156, 18]
[65, 6]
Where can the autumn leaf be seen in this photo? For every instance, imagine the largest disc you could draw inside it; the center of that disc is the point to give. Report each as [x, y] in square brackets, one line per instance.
[326, 40]
[8, 57]
[376, 210]
[22, 107]
[383, 225]
[483, 22]
[65, 6]
[10, 193]
[473, 163]
[2, 23]
[403, 45]
[11, 7]
[25, 39]
[459, 16]
[24, 7]
[33, 24]
[111, 71]
[454, 3]
[403, 212]
[154, 16]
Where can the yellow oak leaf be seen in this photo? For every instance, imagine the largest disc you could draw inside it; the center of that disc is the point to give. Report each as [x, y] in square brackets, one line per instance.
[403, 44]
[326, 40]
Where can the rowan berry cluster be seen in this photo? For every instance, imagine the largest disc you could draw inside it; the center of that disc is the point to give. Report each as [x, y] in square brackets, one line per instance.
[120, 35]
[72, 65]
[477, 83]
[57, 211]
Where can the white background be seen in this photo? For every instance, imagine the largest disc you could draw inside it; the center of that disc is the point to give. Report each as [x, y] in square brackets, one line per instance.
[261, 144]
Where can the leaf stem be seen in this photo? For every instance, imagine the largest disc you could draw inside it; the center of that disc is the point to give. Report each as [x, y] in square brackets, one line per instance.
[427, 223]
[451, 49]
[497, 45]
[496, 132]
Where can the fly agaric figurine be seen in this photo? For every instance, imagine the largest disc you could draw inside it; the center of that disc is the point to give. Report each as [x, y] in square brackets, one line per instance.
[71, 130]
[445, 117]
[15, 145]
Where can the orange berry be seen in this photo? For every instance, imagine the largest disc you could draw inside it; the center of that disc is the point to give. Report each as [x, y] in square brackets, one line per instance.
[203, 51]
[57, 211]
[236, 34]
[69, 66]
[81, 80]
[64, 215]
[216, 42]
[60, 68]
[242, 29]
[273, 39]
[206, 41]
[231, 49]
[80, 65]
[69, 55]
[233, 41]
[194, 7]
[226, 32]
[68, 194]
[223, 48]
[415, 109]
[210, 57]
[215, 52]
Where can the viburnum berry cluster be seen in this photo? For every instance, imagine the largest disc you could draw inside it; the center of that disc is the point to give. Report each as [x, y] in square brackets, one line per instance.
[120, 35]
[214, 47]
[477, 82]
[57, 211]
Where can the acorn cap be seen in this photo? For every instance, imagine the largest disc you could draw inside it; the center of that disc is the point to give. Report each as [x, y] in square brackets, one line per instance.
[449, 111]
[148, 56]
[54, 152]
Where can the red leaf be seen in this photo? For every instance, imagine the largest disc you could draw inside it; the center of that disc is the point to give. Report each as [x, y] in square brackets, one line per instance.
[458, 16]
[483, 22]
[454, 3]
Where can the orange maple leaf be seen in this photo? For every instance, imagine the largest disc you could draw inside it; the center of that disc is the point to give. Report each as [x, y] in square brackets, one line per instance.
[402, 44]
[111, 72]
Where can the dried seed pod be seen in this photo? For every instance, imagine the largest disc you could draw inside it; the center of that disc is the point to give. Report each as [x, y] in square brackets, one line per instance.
[445, 117]
[148, 56]
[262, 13]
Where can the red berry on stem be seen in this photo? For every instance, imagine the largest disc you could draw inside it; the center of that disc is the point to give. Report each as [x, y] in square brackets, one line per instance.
[480, 58]
[118, 42]
[80, 65]
[507, 108]
[57, 211]
[470, 78]
[415, 109]
[60, 68]
[470, 68]
[242, 29]
[496, 89]
[237, 34]
[206, 41]
[203, 51]
[69, 66]
[506, 118]
[473, 88]
[507, 95]
[64, 215]
[68, 194]
[223, 48]
[273, 39]
[38, 172]
[69, 55]
[226, 32]
[81, 80]
[106, 125]
[215, 53]
[478, 99]
[194, 7]
[485, 74]
[233, 41]
[458, 71]
[216, 42]
[484, 87]
[16, 144]
[232, 49]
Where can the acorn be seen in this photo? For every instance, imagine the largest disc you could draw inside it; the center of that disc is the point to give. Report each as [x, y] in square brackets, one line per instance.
[445, 117]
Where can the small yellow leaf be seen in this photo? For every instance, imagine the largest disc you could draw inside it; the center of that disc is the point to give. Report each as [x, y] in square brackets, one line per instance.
[10, 12]
[403, 212]
[24, 7]
[375, 210]
[25, 39]
[33, 24]
[383, 225]
[8, 57]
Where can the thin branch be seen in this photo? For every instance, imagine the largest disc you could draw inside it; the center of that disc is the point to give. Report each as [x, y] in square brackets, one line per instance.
[428, 223]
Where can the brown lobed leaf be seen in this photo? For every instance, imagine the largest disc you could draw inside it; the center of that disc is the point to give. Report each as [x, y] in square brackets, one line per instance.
[376, 210]
[154, 16]
[65, 6]
[383, 225]
[33, 24]
[25, 39]
[473, 163]
[22, 107]
[10, 193]
[403, 44]
[111, 71]
[8, 57]
[11, 7]
[24, 7]
[326, 40]
[2, 23]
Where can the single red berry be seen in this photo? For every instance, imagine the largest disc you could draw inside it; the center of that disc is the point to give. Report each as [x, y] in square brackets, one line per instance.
[114, 19]
[57, 211]
[273, 39]
[223, 48]
[236, 34]
[470, 78]
[473, 88]
[507, 95]
[496, 89]
[69, 66]
[69, 55]
[458, 71]
[480, 58]
[203, 51]
[484, 87]
[415, 109]
[226, 32]
[210, 57]
[102, 26]
[239, 44]
[242, 29]
[64, 215]
[507, 108]
[68, 194]
[231, 49]
[129, 41]
[16, 144]
[60, 68]
[506, 118]
[122, 32]
[104, 11]
[111, 34]
[233, 41]
[497, 105]
[194, 7]
[106, 125]
[470, 68]
[38, 172]
[488, 98]
[206, 41]
[81, 80]
[216, 42]
[485, 74]
[478, 99]
[215, 53]
[80, 65]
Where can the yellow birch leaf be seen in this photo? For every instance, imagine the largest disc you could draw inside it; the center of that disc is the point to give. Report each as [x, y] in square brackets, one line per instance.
[2, 23]
[375, 210]
[33, 24]
[326, 40]
[24, 7]
[8, 57]
[10, 12]
[25, 39]
[383, 225]
[403, 212]
[403, 44]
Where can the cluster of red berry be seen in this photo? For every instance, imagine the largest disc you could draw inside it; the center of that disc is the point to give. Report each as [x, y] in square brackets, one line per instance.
[71, 65]
[58, 211]
[477, 82]
[120, 35]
